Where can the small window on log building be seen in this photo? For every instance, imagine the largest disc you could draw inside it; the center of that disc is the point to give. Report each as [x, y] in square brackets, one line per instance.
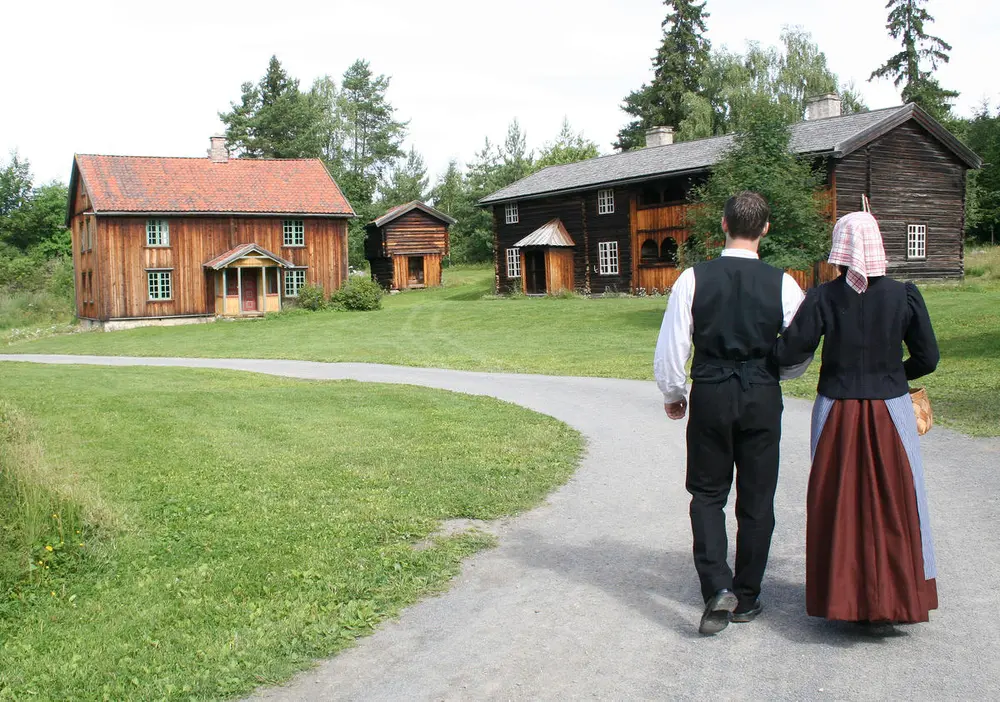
[605, 201]
[510, 213]
[294, 280]
[294, 232]
[157, 232]
[608, 257]
[513, 263]
[650, 252]
[160, 285]
[668, 251]
[916, 241]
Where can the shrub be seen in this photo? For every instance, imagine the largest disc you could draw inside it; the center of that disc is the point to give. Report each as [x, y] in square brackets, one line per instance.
[311, 298]
[358, 294]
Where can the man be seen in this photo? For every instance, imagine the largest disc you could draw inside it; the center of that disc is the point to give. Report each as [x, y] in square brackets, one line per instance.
[731, 309]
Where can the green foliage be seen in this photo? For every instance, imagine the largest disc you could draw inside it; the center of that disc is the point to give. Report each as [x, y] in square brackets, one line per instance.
[760, 160]
[677, 71]
[733, 84]
[907, 67]
[982, 135]
[30, 217]
[274, 119]
[358, 295]
[267, 522]
[408, 182]
[567, 147]
[311, 297]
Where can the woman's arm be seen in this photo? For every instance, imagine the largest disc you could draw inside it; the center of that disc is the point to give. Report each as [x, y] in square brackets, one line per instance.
[919, 337]
[798, 342]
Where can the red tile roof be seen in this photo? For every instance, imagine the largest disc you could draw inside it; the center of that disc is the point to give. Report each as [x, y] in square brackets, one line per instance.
[197, 185]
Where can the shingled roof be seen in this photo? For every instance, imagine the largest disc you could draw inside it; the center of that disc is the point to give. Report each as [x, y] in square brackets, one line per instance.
[400, 210]
[191, 186]
[837, 136]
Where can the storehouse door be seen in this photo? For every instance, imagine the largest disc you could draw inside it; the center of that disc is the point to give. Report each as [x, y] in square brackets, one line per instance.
[250, 290]
[534, 281]
[416, 271]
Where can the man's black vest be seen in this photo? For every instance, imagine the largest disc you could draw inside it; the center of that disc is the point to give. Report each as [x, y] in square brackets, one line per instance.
[737, 314]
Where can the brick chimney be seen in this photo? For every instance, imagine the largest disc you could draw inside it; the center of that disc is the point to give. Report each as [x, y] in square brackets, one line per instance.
[822, 106]
[218, 151]
[659, 136]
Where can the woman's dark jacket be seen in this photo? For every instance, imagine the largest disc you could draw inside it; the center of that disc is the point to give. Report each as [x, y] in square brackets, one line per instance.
[863, 338]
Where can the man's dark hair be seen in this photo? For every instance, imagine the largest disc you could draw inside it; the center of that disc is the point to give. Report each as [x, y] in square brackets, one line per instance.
[746, 215]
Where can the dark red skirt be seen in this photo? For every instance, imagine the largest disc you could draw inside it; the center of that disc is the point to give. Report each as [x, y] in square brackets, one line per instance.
[863, 549]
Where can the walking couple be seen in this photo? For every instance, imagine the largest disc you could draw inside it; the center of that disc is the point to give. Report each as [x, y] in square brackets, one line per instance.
[869, 554]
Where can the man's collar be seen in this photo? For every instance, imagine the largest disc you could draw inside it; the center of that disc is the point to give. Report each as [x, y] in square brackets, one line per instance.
[740, 253]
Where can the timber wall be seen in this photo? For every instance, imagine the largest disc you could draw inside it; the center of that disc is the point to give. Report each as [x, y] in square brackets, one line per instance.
[122, 260]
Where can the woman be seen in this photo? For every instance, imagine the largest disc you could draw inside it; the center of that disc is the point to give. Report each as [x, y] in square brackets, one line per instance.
[869, 554]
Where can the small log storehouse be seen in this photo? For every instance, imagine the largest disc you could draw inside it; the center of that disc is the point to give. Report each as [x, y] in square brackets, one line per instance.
[617, 222]
[169, 240]
[405, 246]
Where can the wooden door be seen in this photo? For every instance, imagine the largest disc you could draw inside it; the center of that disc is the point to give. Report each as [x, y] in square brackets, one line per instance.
[416, 270]
[249, 290]
[534, 273]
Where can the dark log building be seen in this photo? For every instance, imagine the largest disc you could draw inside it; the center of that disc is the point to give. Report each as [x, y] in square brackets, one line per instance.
[621, 219]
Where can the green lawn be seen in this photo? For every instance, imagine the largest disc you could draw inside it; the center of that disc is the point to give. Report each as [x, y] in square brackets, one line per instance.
[461, 326]
[247, 525]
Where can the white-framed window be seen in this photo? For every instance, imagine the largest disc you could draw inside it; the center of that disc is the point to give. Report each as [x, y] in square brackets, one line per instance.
[157, 232]
[294, 232]
[510, 213]
[916, 241]
[606, 201]
[607, 253]
[513, 263]
[294, 279]
[160, 284]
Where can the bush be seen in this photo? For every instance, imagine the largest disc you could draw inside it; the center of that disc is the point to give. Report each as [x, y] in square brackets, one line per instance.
[359, 294]
[311, 297]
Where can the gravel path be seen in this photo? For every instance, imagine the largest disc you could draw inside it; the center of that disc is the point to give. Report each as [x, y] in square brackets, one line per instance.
[594, 595]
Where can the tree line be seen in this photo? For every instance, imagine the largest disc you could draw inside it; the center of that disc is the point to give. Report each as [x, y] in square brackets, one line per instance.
[352, 126]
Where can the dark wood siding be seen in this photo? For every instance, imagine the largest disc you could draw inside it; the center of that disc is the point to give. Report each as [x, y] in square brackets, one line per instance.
[382, 271]
[608, 227]
[910, 178]
[124, 259]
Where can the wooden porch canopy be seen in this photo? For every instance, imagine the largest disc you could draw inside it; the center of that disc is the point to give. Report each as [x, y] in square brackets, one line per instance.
[552, 233]
[223, 260]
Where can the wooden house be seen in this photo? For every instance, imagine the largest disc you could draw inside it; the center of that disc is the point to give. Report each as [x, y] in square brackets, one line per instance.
[168, 240]
[405, 246]
[621, 219]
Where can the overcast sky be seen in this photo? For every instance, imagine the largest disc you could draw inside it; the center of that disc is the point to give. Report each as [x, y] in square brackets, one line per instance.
[143, 78]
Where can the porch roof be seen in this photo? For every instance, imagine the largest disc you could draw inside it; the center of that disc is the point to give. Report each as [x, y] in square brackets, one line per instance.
[552, 233]
[223, 260]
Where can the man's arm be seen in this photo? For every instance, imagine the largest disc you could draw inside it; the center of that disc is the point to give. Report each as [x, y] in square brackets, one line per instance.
[673, 347]
[791, 299]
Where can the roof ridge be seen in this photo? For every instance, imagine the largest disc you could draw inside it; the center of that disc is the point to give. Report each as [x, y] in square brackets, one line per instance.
[204, 158]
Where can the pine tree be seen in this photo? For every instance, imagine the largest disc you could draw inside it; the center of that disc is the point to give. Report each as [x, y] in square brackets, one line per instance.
[907, 68]
[407, 183]
[982, 134]
[568, 147]
[273, 119]
[677, 70]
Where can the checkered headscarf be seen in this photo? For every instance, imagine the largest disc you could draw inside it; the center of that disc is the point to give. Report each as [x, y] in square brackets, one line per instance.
[857, 244]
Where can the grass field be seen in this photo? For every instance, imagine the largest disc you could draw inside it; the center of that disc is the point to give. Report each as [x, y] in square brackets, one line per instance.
[245, 525]
[461, 326]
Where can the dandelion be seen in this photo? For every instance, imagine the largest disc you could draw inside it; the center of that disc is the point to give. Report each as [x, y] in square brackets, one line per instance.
[81, 545]
[53, 593]
[48, 548]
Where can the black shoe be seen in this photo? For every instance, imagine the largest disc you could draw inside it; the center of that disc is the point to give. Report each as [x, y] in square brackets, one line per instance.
[716, 615]
[742, 616]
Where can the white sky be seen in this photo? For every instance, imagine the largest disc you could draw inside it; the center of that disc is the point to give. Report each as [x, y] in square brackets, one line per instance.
[138, 78]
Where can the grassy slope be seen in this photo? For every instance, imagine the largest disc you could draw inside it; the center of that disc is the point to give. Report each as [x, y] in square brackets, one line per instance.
[261, 522]
[455, 327]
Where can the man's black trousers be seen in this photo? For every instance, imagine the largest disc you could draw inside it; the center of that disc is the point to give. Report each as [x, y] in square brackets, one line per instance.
[733, 425]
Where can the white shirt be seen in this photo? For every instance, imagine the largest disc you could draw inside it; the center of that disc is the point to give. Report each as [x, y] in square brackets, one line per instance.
[673, 348]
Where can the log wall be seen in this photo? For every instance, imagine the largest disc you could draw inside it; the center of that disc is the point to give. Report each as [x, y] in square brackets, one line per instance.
[910, 178]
